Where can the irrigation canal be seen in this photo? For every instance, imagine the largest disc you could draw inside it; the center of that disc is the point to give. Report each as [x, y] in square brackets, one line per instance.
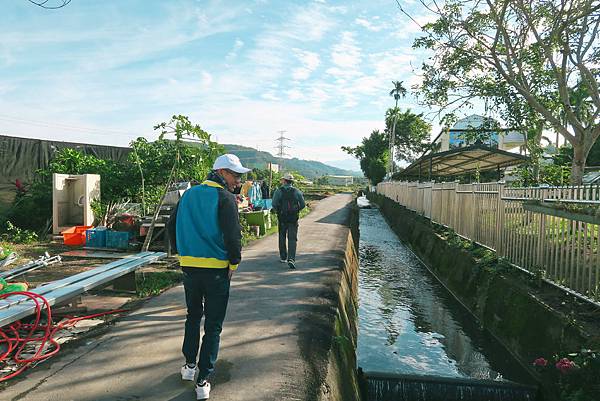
[416, 342]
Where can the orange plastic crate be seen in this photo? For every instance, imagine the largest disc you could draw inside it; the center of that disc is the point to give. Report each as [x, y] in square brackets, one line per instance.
[75, 235]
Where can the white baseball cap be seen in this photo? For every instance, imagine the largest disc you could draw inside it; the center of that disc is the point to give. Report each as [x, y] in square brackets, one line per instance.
[230, 162]
[288, 177]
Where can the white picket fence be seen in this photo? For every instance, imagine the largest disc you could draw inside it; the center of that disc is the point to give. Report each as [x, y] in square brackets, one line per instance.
[563, 250]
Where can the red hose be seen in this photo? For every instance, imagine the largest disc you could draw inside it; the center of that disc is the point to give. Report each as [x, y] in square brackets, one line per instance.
[36, 332]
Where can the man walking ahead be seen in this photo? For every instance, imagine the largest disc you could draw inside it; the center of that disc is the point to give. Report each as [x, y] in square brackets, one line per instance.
[288, 201]
[206, 231]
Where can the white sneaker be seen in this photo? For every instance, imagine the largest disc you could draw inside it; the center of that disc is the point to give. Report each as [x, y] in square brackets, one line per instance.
[188, 373]
[202, 392]
[282, 261]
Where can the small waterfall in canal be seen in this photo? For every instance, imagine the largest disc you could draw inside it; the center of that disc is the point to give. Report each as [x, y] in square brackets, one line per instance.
[416, 342]
[381, 387]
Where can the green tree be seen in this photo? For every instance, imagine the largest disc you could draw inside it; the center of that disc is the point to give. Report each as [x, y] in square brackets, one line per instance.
[189, 156]
[544, 51]
[324, 180]
[373, 155]
[411, 131]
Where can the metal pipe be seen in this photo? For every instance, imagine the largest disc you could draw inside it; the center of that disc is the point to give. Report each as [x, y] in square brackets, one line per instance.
[43, 261]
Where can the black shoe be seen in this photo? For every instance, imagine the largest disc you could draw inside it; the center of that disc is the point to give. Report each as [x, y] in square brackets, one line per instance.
[292, 264]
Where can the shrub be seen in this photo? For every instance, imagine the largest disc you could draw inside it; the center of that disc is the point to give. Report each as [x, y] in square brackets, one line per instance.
[576, 373]
[17, 235]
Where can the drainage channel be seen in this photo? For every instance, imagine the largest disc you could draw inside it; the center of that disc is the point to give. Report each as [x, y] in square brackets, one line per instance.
[416, 342]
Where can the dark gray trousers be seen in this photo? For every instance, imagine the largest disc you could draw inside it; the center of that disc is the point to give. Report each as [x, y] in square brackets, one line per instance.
[206, 294]
[289, 231]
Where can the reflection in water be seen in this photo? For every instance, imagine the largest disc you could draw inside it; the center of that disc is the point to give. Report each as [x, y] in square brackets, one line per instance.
[408, 323]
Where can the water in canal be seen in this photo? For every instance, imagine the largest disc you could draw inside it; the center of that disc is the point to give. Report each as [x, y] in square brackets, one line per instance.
[409, 324]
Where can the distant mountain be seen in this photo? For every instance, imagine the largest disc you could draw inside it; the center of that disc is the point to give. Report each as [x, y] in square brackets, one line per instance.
[308, 168]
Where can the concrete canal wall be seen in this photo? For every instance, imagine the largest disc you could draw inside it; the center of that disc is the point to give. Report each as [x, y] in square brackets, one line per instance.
[340, 376]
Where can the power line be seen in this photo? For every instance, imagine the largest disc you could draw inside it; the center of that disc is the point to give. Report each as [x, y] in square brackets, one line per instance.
[61, 126]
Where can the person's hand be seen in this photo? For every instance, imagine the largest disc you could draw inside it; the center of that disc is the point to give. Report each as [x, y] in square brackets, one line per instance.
[230, 273]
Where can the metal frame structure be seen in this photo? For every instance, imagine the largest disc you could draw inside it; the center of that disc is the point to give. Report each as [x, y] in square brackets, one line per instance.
[60, 291]
[464, 160]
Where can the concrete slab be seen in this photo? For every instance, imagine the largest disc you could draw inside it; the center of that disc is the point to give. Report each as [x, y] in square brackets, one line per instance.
[273, 345]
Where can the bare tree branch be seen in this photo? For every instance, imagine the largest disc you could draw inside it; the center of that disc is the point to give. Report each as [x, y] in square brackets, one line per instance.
[43, 4]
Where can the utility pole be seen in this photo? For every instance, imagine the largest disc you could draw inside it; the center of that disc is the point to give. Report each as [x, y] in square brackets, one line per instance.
[270, 178]
[281, 146]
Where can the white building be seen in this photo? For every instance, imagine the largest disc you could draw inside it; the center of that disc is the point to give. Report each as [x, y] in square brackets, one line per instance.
[501, 138]
[340, 180]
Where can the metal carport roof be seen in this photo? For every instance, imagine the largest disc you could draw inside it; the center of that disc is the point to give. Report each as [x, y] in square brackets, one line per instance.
[464, 160]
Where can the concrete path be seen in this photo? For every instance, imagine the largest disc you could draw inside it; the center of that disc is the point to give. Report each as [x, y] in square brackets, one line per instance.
[273, 346]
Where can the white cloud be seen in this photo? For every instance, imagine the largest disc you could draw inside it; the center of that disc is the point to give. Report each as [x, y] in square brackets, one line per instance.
[308, 24]
[206, 79]
[408, 29]
[346, 57]
[394, 64]
[365, 23]
[295, 94]
[302, 25]
[301, 74]
[237, 46]
[346, 54]
[270, 96]
[309, 61]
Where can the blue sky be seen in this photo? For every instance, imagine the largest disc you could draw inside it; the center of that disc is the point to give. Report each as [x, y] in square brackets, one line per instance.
[107, 71]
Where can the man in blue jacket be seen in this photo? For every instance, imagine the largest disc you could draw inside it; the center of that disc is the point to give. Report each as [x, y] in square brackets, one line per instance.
[205, 230]
[288, 202]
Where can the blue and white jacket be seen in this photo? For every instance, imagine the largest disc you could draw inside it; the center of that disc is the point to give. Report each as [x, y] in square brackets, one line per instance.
[204, 227]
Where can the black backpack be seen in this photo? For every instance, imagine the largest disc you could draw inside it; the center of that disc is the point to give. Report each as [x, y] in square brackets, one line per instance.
[290, 208]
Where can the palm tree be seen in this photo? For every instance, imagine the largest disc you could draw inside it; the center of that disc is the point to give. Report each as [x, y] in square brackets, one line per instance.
[398, 91]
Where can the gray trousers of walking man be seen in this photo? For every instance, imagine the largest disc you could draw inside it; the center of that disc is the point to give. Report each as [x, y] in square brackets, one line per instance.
[289, 231]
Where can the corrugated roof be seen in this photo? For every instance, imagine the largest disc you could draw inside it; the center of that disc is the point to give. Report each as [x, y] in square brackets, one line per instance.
[462, 161]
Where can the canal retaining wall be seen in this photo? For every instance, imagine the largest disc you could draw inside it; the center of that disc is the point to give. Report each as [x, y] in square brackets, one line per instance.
[340, 375]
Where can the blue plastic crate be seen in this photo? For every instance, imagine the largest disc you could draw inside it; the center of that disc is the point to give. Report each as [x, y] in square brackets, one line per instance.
[95, 238]
[117, 239]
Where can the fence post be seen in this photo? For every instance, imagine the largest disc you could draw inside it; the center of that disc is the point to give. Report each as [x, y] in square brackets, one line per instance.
[541, 233]
[474, 213]
[500, 220]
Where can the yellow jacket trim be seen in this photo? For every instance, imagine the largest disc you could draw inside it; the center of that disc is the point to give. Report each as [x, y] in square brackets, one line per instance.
[212, 184]
[210, 263]
[233, 267]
